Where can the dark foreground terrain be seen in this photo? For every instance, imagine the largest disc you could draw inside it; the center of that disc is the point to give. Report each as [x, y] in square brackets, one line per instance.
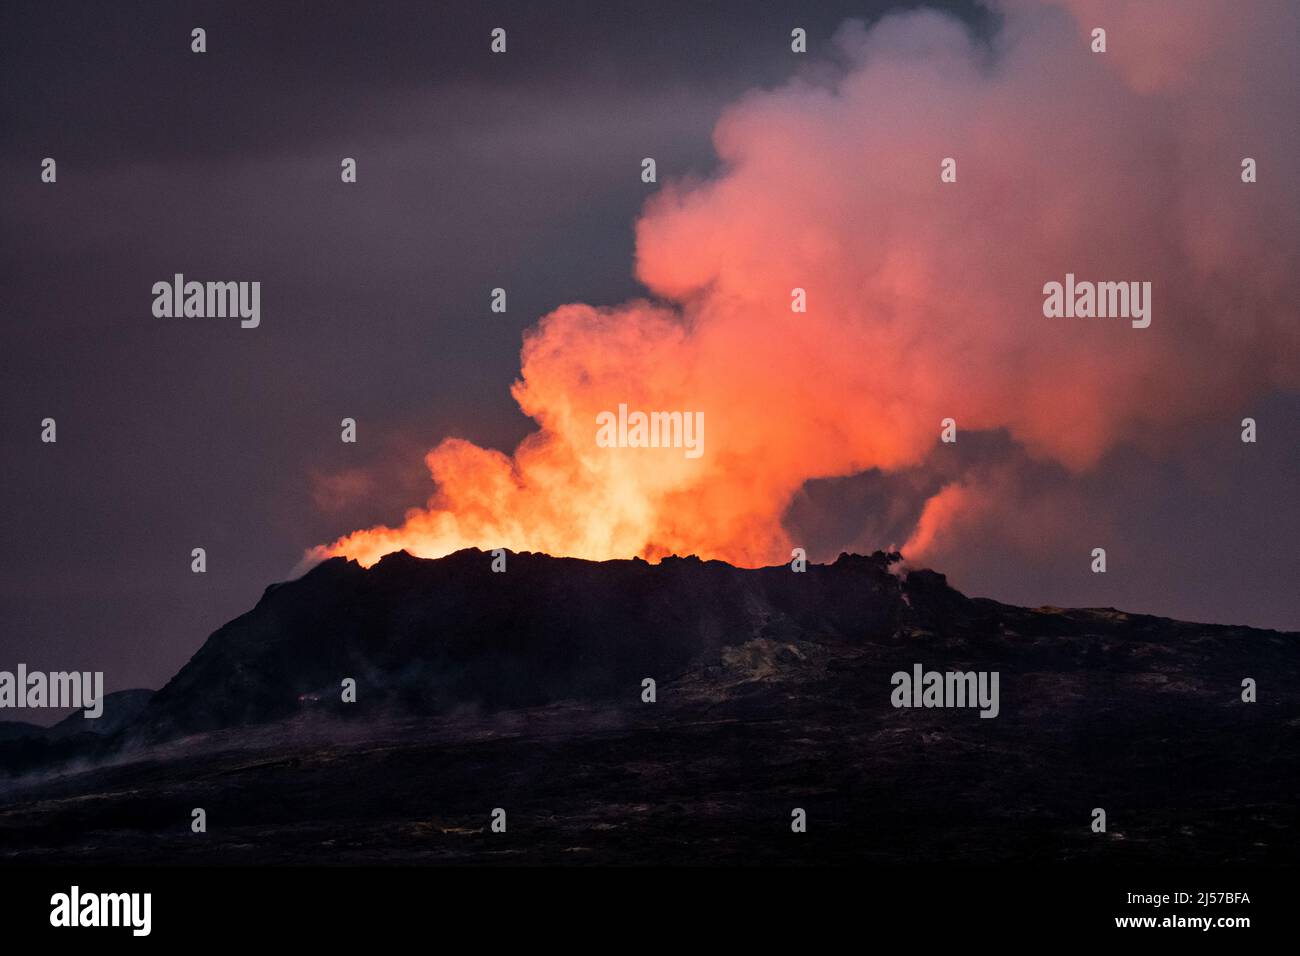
[523, 691]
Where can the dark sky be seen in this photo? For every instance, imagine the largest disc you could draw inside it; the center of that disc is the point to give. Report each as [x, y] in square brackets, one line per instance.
[474, 172]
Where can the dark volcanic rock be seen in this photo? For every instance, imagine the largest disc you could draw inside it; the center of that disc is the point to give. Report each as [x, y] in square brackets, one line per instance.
[429, 635]
[523, 690]
[25, 747]
[121, 709]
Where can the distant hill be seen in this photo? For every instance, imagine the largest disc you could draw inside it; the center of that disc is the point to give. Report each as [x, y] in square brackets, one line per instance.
[121, 708]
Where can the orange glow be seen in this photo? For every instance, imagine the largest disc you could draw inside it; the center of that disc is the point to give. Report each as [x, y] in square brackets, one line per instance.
[939, 512]
[923, 299]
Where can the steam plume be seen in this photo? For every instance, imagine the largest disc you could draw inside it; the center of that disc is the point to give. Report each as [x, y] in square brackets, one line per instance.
[924, 299]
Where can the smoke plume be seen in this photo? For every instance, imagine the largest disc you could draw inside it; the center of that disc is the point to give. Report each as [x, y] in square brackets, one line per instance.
[924, 298]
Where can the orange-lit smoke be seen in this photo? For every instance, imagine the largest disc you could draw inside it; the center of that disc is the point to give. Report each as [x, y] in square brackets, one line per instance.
[924, 299]
[939, 512]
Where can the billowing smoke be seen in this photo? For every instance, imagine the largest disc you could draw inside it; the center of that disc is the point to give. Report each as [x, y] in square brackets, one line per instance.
[924, 299]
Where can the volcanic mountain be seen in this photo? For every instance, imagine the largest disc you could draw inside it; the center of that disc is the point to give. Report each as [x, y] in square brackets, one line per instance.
[772, 690]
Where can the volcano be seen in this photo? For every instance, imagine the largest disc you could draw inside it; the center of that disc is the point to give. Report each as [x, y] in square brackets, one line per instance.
[627, 712]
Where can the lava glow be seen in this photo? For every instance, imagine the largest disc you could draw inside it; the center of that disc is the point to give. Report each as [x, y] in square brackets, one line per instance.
[923, 298]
